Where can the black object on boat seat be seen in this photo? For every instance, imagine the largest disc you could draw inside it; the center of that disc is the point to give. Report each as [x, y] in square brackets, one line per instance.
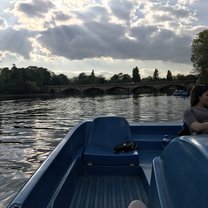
[106, 133]
[126, 147]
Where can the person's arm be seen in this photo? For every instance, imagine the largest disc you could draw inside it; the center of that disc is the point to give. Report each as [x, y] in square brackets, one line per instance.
[193, 124]
[199, 127]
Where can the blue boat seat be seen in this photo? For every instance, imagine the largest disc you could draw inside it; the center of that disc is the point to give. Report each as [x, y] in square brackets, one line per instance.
[107, 132]
[179, 177]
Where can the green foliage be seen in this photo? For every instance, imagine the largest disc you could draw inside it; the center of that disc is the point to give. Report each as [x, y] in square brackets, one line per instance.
[148, 79]
[100, 80]
[92, 73]
[33, 79]
[135, 75]
[115, 78]
[203, 77]
[181, 77]
[91, 79]
[156, 74]
[126, 78]
[199, 56]
[28, 80]
[5, 75]
[169, 75]
[120, 78]
[200, 51]
[60, 79]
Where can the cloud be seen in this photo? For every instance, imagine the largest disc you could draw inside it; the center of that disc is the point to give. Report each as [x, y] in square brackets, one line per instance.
[88, 40]
[165, 15]
[60, 16]
[119, 29]
[3, 23]
[33, 15]
[92, 13]
[201, 12]
[187, 2]
[15, 41]
[103, 39]
[121, 9]
[35, 8]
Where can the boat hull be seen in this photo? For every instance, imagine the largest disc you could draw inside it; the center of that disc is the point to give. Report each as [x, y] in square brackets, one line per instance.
[68, 178]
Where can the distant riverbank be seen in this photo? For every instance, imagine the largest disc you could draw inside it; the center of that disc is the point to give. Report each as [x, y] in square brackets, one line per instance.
[25, 96]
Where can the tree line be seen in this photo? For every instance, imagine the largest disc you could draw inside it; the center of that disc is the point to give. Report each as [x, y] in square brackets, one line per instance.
[34, 79]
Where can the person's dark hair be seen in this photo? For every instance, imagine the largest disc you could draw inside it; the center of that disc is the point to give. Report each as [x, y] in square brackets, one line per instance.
[196, 92]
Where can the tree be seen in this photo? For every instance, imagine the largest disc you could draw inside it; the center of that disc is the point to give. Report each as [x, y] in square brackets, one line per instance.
[82, 78]
[169, 75]
[200, 51]
[135, 75]
[126, 78]
[92, 77]
[180, 77]
[100, 80]
[92, 73]
[199, 55]
[156, 74]
[149, 78]
[60, 79]
[5, 75]
[114, 78]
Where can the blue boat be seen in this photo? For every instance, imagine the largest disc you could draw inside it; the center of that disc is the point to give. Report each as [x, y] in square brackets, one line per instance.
[181, 93]
[108, 163]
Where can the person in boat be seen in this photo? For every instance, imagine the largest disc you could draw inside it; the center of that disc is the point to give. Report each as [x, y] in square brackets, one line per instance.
[196, 116]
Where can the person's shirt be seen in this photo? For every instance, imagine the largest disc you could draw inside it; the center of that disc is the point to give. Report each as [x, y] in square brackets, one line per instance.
[195, 115]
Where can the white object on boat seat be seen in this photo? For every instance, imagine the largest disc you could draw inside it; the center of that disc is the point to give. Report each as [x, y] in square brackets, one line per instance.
[137, 204]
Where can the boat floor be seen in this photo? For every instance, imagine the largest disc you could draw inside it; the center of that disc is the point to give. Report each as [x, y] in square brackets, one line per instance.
[107, 191]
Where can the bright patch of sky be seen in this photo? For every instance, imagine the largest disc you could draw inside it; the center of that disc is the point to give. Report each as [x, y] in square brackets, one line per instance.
[107, 36]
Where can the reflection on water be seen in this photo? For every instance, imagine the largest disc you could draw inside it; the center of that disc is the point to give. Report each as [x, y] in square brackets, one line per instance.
[31, 128]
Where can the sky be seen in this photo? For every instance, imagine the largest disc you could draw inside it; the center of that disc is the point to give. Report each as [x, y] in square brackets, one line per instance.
[107, 36]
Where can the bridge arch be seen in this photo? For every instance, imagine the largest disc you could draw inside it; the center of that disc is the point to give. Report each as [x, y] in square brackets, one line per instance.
[144, 89]
[122, 88]
[52, 91]
[93, 91]
[72, 91]
[172, 87]
[117, 90]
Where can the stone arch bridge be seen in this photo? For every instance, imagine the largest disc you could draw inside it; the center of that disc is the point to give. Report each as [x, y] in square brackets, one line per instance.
[152, 86]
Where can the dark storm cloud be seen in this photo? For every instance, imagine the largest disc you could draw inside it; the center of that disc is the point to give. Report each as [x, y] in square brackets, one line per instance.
[94, 39]
[36, 8]
[15, 41]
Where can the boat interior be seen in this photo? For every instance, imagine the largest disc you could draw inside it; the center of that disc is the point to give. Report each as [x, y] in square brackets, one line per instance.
[85, 171]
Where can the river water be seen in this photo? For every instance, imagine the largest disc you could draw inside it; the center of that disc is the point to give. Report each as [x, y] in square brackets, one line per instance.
[31, 128]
